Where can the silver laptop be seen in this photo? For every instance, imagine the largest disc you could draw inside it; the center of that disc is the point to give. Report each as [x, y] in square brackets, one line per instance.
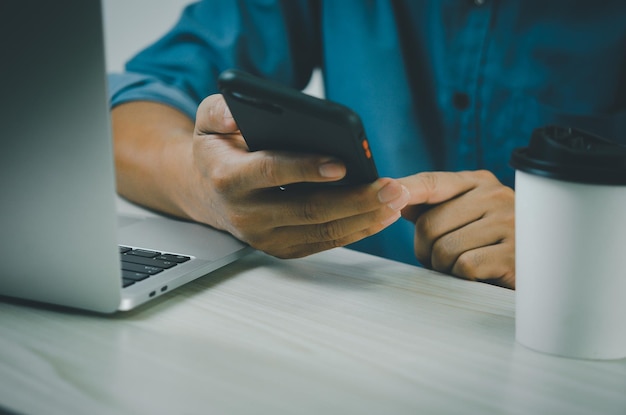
[62, 240]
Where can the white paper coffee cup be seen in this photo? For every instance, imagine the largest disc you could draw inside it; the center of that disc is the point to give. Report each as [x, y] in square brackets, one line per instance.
[570, 251]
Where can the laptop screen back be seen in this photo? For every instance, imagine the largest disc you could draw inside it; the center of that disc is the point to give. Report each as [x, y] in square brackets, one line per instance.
[58, 208]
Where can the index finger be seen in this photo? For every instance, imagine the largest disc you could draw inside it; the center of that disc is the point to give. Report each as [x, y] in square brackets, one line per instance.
[437, 187]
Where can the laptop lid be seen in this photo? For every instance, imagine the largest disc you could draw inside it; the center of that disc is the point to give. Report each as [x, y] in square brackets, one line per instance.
[59, 223]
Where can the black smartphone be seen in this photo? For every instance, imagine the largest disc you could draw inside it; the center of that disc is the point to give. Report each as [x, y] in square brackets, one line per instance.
[272, 116]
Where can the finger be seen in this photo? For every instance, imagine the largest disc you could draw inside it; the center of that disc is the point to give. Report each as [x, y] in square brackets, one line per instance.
[448, 248]
[488, 207]
[494, 264]
[326, 205]
[213, 116]
[365, 224]
[443, 219]
[334, 234]
[437, 187]
[252, 216]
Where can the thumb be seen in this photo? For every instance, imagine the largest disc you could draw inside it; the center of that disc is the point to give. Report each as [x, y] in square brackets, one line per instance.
[213, 116]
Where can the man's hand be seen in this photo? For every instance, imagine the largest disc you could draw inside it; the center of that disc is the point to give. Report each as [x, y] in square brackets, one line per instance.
[238, 191]
[464, 224]
[206, 173]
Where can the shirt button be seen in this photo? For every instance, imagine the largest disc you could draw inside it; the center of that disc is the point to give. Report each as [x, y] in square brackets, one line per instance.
[479, 2]
[461, 101]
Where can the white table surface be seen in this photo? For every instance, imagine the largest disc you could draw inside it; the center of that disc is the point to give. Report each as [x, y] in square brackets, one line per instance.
[336, 333]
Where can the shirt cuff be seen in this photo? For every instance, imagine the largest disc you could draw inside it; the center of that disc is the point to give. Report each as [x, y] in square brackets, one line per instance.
[129, 87]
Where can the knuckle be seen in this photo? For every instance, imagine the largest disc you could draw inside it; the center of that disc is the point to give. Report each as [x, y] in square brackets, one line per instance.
[468, 264]
[502, 193]
[424, 227]
[502, 201]
[430, 181]
[508, 222]
[496, 187]
[221, 180]
[311, 212]
[485, 175]
[267, 169]
[445, 252]
[330, 231]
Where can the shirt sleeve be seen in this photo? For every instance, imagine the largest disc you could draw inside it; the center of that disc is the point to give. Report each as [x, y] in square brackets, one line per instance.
[271, 38]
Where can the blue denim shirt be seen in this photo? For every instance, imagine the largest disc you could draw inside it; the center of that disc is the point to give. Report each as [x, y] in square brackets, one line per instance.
[440, 85]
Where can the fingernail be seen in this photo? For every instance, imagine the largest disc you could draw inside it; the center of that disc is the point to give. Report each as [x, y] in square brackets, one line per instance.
[396, 197]
[401, 201]
[332, 169]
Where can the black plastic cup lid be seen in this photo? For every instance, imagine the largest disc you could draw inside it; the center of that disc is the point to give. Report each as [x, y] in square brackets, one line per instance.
[572, 155]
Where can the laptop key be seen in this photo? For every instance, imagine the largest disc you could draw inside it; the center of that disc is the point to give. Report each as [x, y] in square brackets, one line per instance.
[153, 262]
[144, 269]
[134, 276]
[143, 253]
[174, 258]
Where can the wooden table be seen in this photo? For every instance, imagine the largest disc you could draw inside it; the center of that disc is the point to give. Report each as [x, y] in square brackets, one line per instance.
[339, 332]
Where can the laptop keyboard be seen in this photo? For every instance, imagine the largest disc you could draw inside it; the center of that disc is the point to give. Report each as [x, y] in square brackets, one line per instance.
[139, 264]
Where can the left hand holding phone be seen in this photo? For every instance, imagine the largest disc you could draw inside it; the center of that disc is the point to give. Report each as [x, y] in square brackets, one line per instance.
[237, 191]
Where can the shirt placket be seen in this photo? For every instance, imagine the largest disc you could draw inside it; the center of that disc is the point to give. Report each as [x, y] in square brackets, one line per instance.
[467, 57]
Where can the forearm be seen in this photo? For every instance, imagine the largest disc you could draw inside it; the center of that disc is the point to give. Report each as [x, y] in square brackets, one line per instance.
[153, 147]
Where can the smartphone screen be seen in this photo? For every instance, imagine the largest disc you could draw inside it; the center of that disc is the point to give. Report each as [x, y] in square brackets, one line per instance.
[272, 116]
